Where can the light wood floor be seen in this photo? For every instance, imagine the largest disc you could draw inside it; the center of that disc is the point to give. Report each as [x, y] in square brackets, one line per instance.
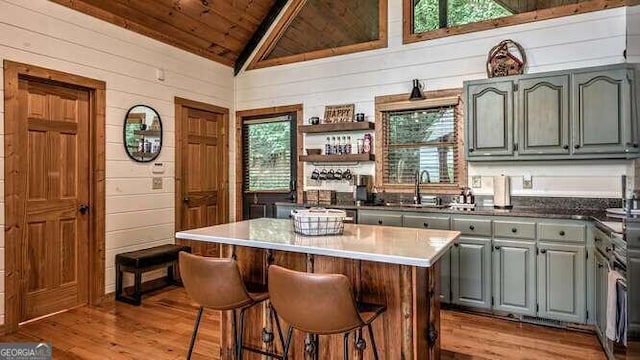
[161, 329]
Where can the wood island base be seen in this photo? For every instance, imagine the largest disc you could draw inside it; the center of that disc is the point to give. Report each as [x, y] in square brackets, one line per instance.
[409, 329]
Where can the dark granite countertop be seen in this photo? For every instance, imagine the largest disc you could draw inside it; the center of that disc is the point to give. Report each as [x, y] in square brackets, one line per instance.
[598, 216]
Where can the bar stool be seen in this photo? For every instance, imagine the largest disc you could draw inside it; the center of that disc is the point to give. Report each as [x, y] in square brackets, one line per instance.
[217, 284]
[320, 304]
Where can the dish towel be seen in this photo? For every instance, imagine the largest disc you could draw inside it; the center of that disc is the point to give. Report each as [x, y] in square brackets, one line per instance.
[612, 303]
[621, 317]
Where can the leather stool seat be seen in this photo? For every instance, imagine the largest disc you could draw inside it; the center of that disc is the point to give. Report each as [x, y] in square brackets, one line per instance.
[218, 284]
[320, 304]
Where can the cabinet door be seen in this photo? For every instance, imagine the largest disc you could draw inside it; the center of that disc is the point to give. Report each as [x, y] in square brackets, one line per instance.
[471, 272]
[601, 294]
[543, 115]
[561, 282]
[490, 119]
[602, 112]
[445, 278]
[379, 218]
[514, 278]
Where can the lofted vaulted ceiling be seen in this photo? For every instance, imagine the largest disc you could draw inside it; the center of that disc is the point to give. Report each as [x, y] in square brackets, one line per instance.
[216, 29]
[228, 31]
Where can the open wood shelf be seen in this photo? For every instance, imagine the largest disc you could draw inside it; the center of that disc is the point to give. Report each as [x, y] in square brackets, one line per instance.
[152, 133]
[337, 127]
[337, 158]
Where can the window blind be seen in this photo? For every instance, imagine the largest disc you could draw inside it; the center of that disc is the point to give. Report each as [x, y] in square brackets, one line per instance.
[422, 140]
[267, 145]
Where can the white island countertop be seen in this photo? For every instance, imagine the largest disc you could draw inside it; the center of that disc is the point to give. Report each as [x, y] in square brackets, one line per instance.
[385, 244]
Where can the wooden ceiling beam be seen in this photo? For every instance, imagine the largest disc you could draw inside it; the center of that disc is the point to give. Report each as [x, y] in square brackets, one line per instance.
[266, 23]
[154, 29]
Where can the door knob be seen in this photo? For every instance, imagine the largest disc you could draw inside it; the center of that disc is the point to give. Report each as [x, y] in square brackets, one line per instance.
[84, 208]
[185, 200]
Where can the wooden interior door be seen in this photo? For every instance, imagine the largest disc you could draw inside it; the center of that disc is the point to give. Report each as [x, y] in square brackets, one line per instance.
[203, 170]
[54, 247]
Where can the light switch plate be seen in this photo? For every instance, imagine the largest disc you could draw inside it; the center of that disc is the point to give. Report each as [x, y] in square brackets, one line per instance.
[527, 182]
[156, 183]
[476, 181]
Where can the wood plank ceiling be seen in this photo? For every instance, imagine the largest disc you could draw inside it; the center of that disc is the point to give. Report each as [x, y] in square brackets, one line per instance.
[326, 24]
[215, 29]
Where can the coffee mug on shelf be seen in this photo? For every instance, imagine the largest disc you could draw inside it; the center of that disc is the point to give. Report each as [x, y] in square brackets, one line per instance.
[314, 120]
[359, 117]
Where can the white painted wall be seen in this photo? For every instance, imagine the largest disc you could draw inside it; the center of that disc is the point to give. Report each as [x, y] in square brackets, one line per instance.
[590, 39]
[42, 33]
[633, 34]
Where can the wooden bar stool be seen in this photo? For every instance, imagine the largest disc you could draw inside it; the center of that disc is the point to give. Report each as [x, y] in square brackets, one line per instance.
[217, 284]
[320, 304]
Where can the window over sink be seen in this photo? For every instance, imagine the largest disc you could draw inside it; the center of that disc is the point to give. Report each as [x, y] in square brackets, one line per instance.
[420, 139]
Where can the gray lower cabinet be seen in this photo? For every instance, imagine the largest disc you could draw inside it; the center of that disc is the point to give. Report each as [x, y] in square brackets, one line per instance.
[422, 221]
[601, 295]
[561, 282]
[471, 272]
[374, 217]
[514, 276]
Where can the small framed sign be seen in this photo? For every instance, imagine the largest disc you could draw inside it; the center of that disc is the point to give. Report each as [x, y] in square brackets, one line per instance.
[338, 113]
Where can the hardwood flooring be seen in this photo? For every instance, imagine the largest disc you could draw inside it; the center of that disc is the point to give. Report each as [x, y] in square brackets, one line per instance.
[161, 329]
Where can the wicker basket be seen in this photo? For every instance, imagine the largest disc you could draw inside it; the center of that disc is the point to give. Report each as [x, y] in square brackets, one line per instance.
[318, 221]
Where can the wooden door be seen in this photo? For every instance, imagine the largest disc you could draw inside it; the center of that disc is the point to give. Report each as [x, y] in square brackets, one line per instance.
[490, 125]
[543, 115]
[561, 282]
[203, 178]
[514, 278]
[54, 247]
[471, 272]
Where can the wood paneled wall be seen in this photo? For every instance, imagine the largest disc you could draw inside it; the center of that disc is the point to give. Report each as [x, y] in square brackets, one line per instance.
[45, 34]
[589, 39]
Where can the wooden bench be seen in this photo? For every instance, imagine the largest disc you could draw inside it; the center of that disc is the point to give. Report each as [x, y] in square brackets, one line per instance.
[141, 261]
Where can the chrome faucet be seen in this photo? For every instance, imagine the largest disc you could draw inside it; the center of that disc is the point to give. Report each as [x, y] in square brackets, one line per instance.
[417, 197]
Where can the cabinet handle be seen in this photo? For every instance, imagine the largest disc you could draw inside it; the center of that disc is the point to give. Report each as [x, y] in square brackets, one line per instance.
[514, 230]
[597, 239]
[496, 247]
[426, 225]
[472, 227]
[566, 147]
[600, 265]
[577, 146]
[471, 150]
[543, 251]
[635, 145]
[608, 249]
[379, 222]
[456, 244]
[561, 233]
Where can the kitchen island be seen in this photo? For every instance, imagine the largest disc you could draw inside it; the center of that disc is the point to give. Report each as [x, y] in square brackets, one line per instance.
[398, 267]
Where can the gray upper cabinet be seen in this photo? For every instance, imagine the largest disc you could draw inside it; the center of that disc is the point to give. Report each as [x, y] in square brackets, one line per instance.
[471, 272]
[514, 277]
[602, 112]
[490, 124]
[573, 114]
[543, 115]
[561, 282]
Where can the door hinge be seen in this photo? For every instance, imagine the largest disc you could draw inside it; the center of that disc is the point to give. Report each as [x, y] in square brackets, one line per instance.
[537, 307]
[492, 301]
[515, 86]
[537, 251]
[515, 146]
[223, 131]
[586, 254]
[587, 314]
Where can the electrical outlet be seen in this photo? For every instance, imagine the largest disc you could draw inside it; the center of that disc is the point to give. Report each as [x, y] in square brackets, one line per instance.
[527, 182]
[156, 183]
[476, 181]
